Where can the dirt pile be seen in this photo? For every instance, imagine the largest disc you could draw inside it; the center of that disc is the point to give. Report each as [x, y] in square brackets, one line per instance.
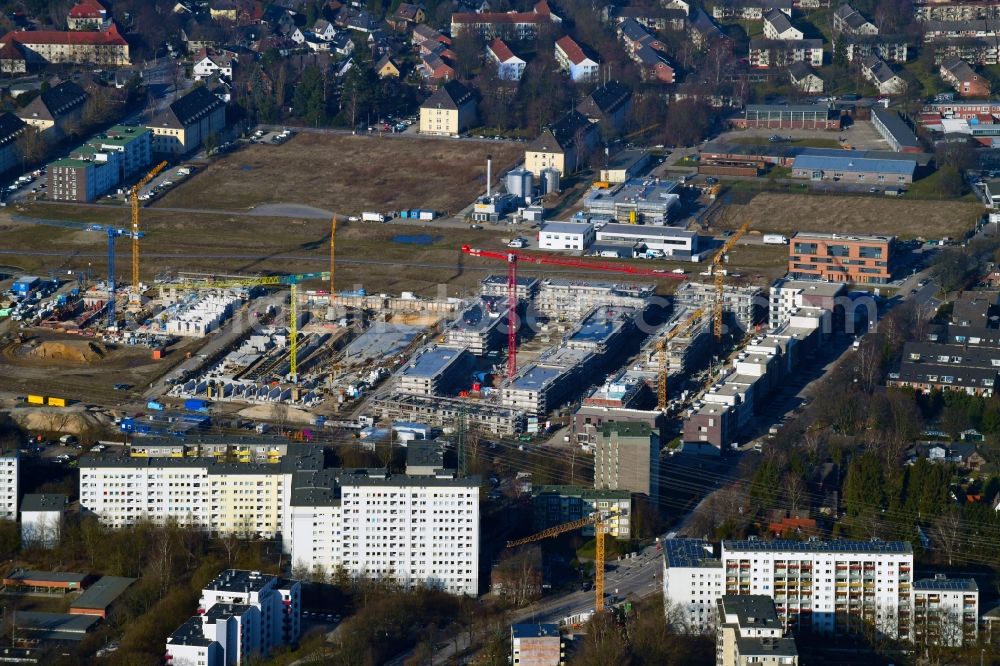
[69, 351]
[58, 420]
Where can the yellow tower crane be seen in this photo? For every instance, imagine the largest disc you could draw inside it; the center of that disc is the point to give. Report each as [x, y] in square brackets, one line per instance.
[720, 282]
[661, 349]
[600, 521]
[134, 197]
[267, 281]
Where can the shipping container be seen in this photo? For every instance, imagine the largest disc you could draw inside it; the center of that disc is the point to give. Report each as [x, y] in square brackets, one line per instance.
[36, 400]
[57, 402]
[195, 405]
[155, 406]
[158, 354]
[427, 215]
[404, 214]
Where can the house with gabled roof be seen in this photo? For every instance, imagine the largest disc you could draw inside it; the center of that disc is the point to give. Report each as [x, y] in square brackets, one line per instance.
[577, 62]
[54, 111]
[804, 78]
[609, 105]
[185, 124]
[562, 145]
[87, 15]
[509, 66]
[449, 111]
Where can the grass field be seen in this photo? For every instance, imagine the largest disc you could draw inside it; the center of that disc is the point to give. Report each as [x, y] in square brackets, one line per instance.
[812, 142]
[788, 213]
[347, 174]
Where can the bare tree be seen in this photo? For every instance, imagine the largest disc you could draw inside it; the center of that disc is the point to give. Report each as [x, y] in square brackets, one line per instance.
[869, 365]
[795, 492]
[947, 531]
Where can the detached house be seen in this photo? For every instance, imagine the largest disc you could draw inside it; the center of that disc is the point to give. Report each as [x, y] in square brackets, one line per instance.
[777, 25]
[805, 78]
[324, 30]
[880, 74]
[966, 82]
[509, 66]
[449, 111]
[578, 64]
[386, 68]
[849, 21]
[563, 145]
[212, 64]
[406, 15]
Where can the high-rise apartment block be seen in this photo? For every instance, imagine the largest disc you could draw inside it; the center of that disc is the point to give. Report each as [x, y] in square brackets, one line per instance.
[417, 529]
[627, 457]
[242, 616]
[748, 632]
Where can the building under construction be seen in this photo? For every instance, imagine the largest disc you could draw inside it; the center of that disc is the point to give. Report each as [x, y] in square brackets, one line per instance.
[478, 327]
[444, 412]
[570, 300]
[743, 307]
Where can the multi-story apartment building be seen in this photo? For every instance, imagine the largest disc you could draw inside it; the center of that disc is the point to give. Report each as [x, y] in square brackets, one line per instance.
[832, 587]
[829, 587]
[53, 47]
[748, 632]
[789, 296]
[956, 10]
[10, 463]
[434, 371]
[55, 110]
[506, 25]
[841, 258]
[449, 111]
[188, 122]
[419, 529]
[765, 53]
[555, 505]
[945, 611]
[627, 457]
[692, 583]
[101, 164]
[242, 616]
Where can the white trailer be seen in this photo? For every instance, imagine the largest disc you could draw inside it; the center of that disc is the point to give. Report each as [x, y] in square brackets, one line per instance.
[372, 217]
[775, 239]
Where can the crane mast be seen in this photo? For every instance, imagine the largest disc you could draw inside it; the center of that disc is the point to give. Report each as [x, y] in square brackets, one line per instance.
[134, 198]
[720, 282]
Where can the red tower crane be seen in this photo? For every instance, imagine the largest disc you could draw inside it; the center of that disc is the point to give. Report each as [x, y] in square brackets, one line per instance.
[513, 258]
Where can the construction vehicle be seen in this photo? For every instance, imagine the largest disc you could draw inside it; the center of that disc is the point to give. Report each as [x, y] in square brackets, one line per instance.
[513, 258]
[600, 522]
[661, 349]
[134, 197]
[719, 274]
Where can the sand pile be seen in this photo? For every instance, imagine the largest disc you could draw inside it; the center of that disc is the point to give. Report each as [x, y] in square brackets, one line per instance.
[293, 416]
[57, 420]
[71, 351]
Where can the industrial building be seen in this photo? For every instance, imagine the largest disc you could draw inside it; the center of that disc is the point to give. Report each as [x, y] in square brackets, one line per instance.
[557, 505]
[566, 236]
[435, 371]
[674, 243]
[243, 616]
[841, 257]
[852, 169]
[647, 200]
[627, 457]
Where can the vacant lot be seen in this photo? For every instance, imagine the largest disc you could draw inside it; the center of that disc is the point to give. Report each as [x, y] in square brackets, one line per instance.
[348, 174]
[788, 213]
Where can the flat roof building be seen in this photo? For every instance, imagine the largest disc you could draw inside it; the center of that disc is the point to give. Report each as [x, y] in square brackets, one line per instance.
[434, 371]
[749, 633]
[671, 241]
[648, 200]
[573, 236]
[789, 116]
[627, 457]
[850, 169]
[565, 299]
[556, 505]
[841, 257]
[100, 596]
[477, 327]
[536, 645]
[625, 165]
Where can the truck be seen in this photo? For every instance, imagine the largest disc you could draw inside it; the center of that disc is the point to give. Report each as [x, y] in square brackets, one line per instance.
[372, 217]
[775, 239]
